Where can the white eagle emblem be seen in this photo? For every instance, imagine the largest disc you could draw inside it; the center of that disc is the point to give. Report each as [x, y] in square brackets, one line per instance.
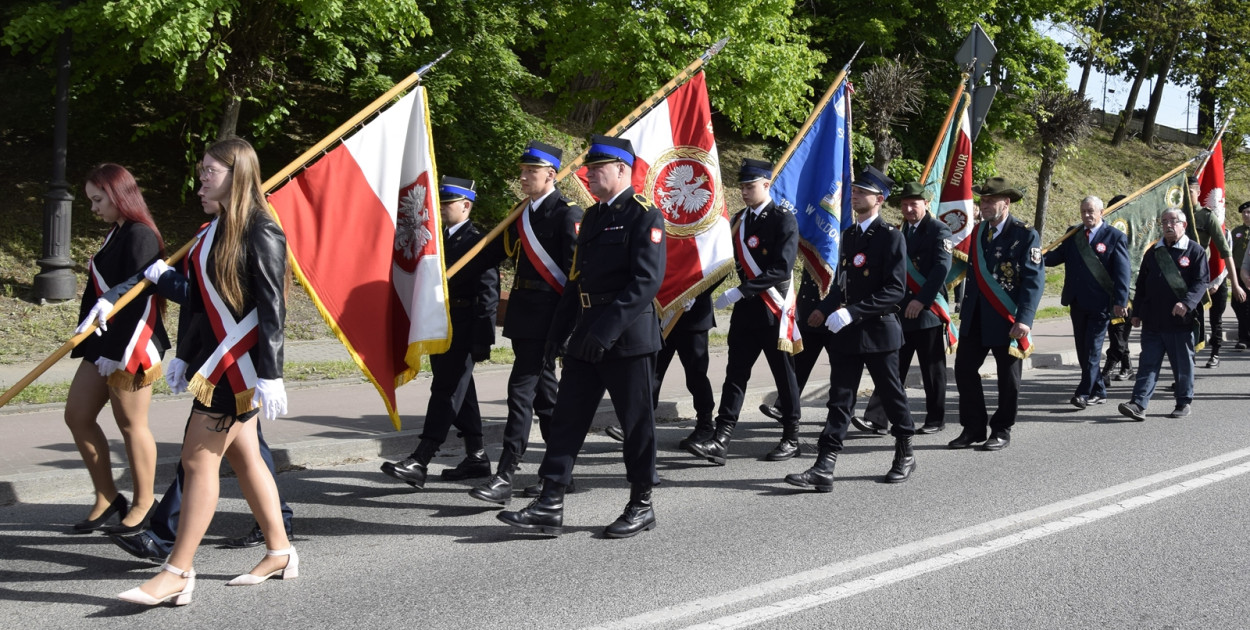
[685, 192]
[411, 233]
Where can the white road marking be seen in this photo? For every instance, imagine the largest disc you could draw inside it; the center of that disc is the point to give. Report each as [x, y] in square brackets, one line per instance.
[755, 591]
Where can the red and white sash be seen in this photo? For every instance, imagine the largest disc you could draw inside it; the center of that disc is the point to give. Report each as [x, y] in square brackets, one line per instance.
[783, 308]
[538, 257]
[140, 352]
[235, 338]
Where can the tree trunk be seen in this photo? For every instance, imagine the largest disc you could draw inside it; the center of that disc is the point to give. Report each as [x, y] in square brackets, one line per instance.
[230, 118]
[1206, 98]
[1089, 56]
[1121, 130]
[884, 149]
[1156, 95]
[1044, 175]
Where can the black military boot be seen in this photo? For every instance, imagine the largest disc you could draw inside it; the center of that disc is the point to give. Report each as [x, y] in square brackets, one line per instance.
[544, 514]
[1106, 373]
[536, 490]
[412, 470]
[498, 489]
[789, 445]
[704, 428]
[819, 476]
[638, 515]
[904, 461]
[715, 449]
[476, 462]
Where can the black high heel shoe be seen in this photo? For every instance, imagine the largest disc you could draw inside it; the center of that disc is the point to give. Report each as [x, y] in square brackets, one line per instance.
[121, 529]
[118, 506]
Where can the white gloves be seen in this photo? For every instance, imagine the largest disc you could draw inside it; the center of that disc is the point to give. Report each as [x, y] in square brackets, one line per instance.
[838, 320]
[728, 297]
[107, 366]
[156, 270]
[688, 305]
[99, 313]
[270, 397]
[176, 375]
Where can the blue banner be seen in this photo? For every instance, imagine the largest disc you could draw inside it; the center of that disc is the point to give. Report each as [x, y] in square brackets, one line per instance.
[815, 184]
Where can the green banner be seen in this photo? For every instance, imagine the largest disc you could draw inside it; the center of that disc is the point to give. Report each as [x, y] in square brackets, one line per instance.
[1138, 217]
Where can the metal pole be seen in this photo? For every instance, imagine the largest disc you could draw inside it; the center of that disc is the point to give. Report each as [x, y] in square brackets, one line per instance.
[56, 281]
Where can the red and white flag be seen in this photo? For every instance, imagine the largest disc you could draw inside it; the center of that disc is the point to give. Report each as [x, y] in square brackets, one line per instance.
[1211, 195]
[364, 230]
[955, 204]
[677, 168]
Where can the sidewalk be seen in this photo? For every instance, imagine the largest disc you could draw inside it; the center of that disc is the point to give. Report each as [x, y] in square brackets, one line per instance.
[334, 422]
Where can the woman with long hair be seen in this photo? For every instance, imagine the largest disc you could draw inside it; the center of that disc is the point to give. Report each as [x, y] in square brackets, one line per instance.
[230, 339]
[121, 361]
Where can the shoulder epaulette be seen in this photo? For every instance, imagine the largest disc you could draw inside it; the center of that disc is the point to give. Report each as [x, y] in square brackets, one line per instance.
[646, 203]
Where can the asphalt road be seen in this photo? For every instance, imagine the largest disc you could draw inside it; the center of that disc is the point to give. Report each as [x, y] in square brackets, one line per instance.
[1086, 520]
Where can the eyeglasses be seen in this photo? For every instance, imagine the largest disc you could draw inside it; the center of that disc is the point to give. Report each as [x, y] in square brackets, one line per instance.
[1171, 222]
[209, 171]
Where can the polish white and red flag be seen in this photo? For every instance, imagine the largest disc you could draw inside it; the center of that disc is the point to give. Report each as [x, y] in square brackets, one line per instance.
[955, 206]
[364, 230]
[1211, 195]
[676, 166]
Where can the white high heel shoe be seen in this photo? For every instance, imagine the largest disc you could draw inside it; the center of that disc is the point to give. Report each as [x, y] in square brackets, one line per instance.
[290, 571]
[181, 598]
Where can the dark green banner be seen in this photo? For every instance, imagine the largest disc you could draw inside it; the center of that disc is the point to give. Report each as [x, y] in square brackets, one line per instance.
[1138, 217]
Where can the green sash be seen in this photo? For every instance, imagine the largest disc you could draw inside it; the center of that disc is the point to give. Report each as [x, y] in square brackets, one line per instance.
[1176, 282]
[1093, 263]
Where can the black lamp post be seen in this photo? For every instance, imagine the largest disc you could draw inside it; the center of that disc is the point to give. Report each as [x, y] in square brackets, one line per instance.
[56, 281]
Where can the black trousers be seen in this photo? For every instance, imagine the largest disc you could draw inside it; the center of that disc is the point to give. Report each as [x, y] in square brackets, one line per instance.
[531, 390]
[815, 342]
[929, 346]
[973, 414]
[628, 381]
[845, 372]
[453, 394]
[1242, 310]
[1118, 352]
[1219, 301]
[691, 347]
[1089, 328]
[745, 346]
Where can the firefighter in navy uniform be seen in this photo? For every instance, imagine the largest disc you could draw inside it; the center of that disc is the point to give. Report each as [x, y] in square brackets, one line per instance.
[607, 330]
[472, 300]
[542, 241]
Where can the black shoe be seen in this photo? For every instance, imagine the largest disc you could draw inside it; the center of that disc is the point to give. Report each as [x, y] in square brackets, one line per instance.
[997, 442]
[1133, 410]
[716, 449]
[819, 477]
[703, 431]
[615, 433]
[1096, 400]
[408, 470]
[536, 490]
[127, 530]
[637, 517]
[475, 464]
[785, 449]
[1241, 345]
[1181, 411]
[1124, 374]
[140, 546]
[118, 507]
[544, 514]
[1080, 402]
[771, 411]
[498, 489]
[904, 461]
[930, 429]
[254, 538]
[867, 426]
[967, 439]
[1214, 361]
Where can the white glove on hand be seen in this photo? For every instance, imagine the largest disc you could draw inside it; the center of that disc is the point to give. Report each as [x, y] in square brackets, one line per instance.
[99, 313]
[176, 375]
[270, 397]
[156, 270]
[688, 305]
[728, 297]
[107, 366]
[838, 320]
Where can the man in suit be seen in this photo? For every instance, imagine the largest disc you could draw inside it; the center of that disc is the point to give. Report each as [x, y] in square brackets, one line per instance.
[607, 323]
[1095, 288]
[472, 300]
[926, 315]
[1171, 281]
[542, 242]
[866, 332]
[1005, 281]
[766, 241]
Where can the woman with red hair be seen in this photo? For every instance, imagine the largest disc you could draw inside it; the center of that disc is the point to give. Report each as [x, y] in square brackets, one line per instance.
[123, 359]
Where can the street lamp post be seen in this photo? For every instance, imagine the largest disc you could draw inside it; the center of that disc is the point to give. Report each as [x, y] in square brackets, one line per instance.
[55, 282]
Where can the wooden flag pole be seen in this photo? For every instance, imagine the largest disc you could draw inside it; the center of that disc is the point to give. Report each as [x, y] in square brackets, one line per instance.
[811, 119]
[1206, 157]
[273, 182]
[950, 116]
[576, 163]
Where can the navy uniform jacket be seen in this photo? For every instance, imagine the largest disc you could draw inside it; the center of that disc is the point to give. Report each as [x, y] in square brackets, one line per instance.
[1015, 258]
[1079, 286]
[1153, 298]
[473, 298]
[128, 252]
[875, 281]
[618, 271]
[531, 299]
[775, 233]
[929, 249]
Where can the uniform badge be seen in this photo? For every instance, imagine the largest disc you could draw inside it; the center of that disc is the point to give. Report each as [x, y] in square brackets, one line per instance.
[657, 235]
[1184, 261]
[859, 259]
[577, 227]
[1035, 255]
[947, 245]
[1101, 248]
[753, 242]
